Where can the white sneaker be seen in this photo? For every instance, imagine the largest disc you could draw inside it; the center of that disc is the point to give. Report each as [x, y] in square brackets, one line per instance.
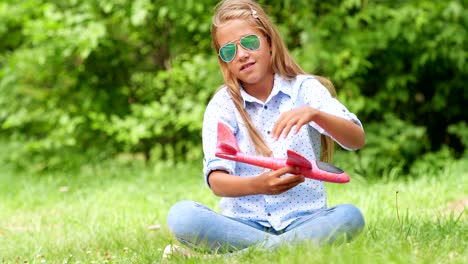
[171, 250]
[175, 250]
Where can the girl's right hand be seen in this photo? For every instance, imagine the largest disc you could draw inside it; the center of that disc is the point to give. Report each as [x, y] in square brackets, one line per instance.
[272, 183]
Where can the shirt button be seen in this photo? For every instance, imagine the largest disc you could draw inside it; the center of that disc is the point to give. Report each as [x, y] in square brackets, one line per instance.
[265, 107]
[268, 132]
[269, 214]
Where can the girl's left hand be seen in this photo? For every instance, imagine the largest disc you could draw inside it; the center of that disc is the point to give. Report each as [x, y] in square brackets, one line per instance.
[296, 117]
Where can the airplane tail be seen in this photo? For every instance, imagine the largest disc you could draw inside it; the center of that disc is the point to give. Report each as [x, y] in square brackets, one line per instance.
[227, 142]
[296, 160]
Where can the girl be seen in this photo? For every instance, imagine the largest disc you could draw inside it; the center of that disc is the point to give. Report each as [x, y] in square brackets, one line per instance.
[271, 106]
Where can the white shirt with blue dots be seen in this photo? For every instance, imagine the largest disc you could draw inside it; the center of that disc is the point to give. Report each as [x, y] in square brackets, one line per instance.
[277, 211]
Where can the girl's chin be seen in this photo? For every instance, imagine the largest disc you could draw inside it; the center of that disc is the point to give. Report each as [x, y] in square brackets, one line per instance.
[250, 79]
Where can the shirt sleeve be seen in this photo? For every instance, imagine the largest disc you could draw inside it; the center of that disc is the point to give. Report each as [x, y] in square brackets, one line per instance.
[317, 96]
[219, 109]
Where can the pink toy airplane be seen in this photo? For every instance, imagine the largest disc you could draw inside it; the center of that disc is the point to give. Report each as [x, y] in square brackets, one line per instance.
[228, 148]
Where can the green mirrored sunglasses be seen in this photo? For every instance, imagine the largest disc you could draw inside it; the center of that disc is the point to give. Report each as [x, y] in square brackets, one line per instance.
[228, 51]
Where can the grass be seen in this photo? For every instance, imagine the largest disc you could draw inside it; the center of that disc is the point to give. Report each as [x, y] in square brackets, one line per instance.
[102, 214]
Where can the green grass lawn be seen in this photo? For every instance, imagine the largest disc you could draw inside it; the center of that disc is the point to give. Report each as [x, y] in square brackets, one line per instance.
[102, 214]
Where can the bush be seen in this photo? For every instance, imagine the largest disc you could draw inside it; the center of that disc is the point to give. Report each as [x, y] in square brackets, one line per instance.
[135, 76]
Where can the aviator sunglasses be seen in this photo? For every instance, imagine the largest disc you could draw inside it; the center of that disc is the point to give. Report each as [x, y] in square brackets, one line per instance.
[228, 51]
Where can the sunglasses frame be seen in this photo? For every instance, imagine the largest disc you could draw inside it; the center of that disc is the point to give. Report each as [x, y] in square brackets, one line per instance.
[235, 46]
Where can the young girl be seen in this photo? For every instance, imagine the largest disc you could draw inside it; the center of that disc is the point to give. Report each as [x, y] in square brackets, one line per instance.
[271, 106]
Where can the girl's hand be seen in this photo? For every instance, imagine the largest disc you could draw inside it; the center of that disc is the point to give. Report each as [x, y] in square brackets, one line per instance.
[272, 183]
[296, 117]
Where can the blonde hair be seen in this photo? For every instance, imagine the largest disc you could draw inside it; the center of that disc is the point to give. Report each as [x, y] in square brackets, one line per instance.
[282, 63]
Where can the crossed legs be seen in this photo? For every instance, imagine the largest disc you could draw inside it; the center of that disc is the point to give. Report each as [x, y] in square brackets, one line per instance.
[197, 226]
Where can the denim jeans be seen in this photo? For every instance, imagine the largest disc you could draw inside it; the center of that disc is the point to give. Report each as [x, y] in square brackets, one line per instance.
[198, 227]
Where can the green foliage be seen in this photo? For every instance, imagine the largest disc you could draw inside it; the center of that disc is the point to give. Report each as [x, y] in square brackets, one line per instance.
[170, 125]
[461, 131]
[119, 76]
[391, 146]
[409, 60]
[432, 162]
[107, 74]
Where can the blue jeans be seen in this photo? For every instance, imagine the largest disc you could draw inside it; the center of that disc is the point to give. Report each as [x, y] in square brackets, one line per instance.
[198, 227]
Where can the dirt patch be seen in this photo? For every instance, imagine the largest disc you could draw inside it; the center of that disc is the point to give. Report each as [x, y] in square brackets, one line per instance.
[457, 207]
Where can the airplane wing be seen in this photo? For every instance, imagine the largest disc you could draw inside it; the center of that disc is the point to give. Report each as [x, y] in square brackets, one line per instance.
[297, 160]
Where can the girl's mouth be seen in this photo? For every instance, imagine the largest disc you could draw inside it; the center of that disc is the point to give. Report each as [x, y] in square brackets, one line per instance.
[247, 66]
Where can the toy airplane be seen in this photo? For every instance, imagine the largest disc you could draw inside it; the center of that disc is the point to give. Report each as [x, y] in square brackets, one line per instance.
[228, 148]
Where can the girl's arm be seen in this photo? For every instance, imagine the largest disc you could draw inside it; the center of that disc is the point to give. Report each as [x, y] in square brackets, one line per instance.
[346, 132]
[226, 185]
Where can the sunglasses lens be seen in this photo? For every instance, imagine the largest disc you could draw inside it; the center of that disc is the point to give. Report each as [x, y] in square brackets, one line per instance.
[227, 52]
[251, 42]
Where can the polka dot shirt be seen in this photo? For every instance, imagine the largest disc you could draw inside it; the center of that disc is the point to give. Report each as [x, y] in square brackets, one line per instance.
[277, 211]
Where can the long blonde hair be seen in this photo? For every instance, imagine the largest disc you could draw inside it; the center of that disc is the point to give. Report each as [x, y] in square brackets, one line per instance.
[281, 61]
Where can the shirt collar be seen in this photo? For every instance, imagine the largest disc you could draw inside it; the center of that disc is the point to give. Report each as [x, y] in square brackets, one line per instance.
[279, 85]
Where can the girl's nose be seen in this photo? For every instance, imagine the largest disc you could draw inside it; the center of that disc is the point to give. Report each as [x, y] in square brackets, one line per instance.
[241, 52]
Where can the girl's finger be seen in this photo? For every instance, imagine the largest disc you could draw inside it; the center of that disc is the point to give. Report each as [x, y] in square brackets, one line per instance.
[285, 170]
[289, 126]
[286, 130]
[299, 126]
[292, 179]
[278, 128]
[290, 185]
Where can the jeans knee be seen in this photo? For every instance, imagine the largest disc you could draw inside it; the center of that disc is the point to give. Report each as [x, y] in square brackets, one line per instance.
[354, 216]
[179, 214]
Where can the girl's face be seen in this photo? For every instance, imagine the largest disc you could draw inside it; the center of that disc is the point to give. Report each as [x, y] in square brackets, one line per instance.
[251, 67]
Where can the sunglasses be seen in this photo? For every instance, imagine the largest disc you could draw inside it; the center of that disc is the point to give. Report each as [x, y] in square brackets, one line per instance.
[228, 52]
